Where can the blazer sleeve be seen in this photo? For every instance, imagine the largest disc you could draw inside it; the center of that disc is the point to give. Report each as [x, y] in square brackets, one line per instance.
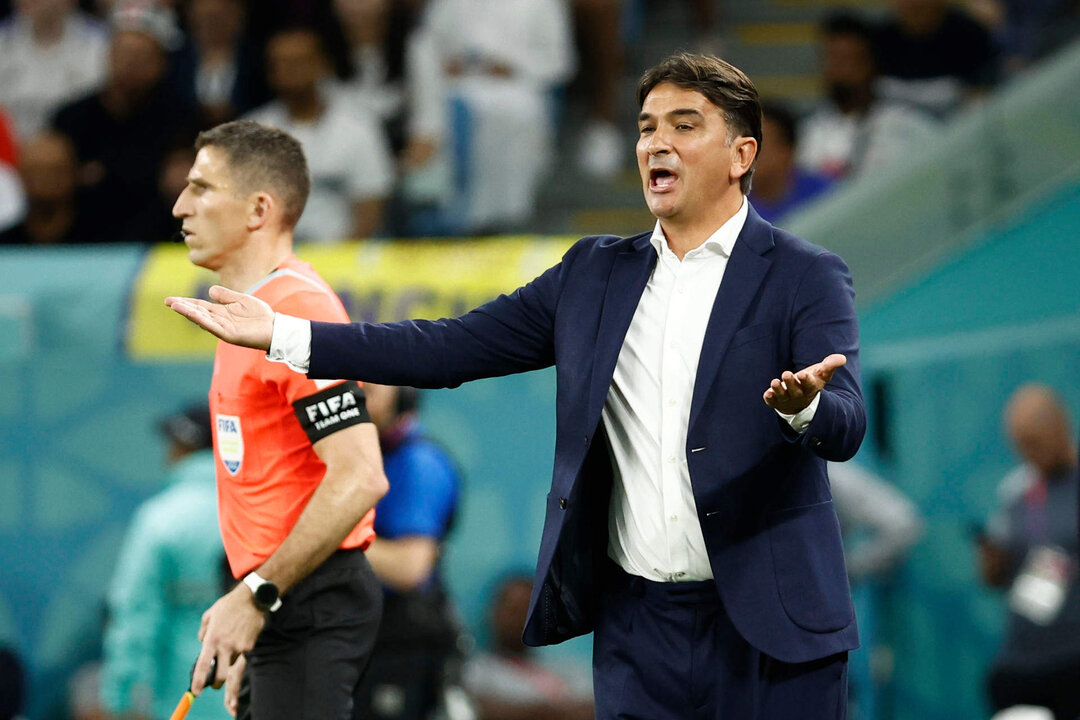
[511, 334]
[824, 322]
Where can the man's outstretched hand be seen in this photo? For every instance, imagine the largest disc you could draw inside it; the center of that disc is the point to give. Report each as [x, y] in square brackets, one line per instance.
[792, 392]
[234, 317]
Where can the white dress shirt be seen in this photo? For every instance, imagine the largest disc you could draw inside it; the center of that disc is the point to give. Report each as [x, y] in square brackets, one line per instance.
[653, 527]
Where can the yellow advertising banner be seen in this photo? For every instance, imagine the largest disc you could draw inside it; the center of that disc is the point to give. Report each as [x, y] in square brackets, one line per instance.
[378, 281]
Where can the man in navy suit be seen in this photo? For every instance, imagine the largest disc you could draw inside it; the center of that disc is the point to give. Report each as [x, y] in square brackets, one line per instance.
[706, 371]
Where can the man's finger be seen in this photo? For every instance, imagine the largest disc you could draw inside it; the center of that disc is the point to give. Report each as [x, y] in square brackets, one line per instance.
[232, 684]
[202, 669]
[224, 295]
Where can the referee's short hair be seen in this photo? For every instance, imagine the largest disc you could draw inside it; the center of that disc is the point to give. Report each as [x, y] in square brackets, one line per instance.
[265, 158]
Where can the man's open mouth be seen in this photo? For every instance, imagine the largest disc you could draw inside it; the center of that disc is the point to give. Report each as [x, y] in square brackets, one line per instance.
[660, 179]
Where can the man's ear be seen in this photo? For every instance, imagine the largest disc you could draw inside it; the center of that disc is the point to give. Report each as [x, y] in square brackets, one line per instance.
[743, 152]
[260, 209]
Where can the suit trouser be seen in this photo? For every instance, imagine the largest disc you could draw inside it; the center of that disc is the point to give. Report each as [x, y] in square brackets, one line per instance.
[314, 650]
[668, 651]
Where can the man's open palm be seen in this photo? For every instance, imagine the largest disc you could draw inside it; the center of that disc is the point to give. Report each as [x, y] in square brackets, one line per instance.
[235, 318]
[792, 392]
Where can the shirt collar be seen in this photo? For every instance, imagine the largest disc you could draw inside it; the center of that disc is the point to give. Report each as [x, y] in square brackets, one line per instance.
[720, 242]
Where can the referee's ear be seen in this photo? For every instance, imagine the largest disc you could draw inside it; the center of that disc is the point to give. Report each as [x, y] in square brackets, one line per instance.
[262, 207]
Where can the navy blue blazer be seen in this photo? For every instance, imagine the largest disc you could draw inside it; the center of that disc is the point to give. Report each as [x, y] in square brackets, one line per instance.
[761, 490]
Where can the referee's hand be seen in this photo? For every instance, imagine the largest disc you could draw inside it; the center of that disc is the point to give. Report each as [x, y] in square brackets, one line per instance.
[235, 317]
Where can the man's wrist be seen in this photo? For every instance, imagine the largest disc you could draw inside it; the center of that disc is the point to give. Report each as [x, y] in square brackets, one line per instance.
[290, 342]
[264, 594]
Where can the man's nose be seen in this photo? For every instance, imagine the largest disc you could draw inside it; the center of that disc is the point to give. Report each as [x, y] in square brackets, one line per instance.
[179, 208]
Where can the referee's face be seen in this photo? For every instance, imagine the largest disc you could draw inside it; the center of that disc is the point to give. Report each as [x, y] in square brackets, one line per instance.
[213, 214]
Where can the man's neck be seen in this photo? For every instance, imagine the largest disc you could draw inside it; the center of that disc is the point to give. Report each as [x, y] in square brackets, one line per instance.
[684, 235]
[305, 107]
[254, 262]
[48, 28]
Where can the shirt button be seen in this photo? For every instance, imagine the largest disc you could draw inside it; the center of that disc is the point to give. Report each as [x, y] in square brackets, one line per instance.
[674, 518]
[672, 403]
[671, 459]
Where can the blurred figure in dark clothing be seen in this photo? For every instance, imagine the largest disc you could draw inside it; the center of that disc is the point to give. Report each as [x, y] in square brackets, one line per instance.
[12, 680]
[47, 168]
[934, 55]
[122, 133]
[1030, 549]
[218, 70]
[779, 185]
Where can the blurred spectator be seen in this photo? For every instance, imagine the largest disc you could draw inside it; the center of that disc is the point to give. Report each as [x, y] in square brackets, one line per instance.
[218, 69]
[502, 62]
[855, 132]
[417, 652]
[352, 171]
[122, 133]
[169, 571]
[934, 55]
[507, 683]
[1030, 547]
[780, 186]
[47, 170]
[50, 53]
[602, 148]
[1027, 30]
[395, 76]
[12, 684]
[154, 222]
[9, 152]
[879, 526]
[879, 523]
[84, 693]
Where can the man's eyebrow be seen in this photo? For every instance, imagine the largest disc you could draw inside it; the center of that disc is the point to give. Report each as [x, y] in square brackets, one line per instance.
[680, 112]
[199, 182]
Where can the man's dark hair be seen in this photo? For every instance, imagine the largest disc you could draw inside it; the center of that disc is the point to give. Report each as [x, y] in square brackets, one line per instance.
[784, 119]
[724, 85]
[846, 24]
[263, 158]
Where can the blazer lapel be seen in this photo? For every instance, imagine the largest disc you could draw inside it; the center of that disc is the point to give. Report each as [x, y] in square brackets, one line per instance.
[629, 274]
[743, 276]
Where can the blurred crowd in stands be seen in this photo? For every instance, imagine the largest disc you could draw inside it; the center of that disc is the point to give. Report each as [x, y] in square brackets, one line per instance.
[439, 117]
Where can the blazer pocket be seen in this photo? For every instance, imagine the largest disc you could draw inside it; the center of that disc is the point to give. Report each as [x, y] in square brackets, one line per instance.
[808, 558]
[750, 333]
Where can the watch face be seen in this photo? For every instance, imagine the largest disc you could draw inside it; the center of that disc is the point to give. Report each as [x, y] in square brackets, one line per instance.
[266, 595]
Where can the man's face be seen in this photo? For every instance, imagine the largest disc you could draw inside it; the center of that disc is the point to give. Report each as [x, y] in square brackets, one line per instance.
[136, 61]
[213, 211]
[683, 152]
[294, 62]
[47, 167]
[847, 62]
[777, 154]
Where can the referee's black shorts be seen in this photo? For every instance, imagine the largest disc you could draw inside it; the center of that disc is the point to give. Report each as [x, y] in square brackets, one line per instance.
[316, 647]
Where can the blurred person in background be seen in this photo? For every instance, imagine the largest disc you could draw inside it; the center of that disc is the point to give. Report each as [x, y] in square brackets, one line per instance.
[154, 222]
[218, 68]
[48, 171]
[50, 53]
[394, 76]
[507, 682]
[502, 62]
[781, 186]
[168, 572]
[12, 684]
[122, 133]
[12, 196]
[602, 150]
[933, 55]
[352, 170]
[417, 656]
[9, 151]
[1029, 549]
[879, 525]
[855, 132]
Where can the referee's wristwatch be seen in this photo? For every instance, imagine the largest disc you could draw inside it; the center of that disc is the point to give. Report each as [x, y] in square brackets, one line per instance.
[264, 593]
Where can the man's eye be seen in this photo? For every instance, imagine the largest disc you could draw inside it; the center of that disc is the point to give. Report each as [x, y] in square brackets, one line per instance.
[646, 129]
